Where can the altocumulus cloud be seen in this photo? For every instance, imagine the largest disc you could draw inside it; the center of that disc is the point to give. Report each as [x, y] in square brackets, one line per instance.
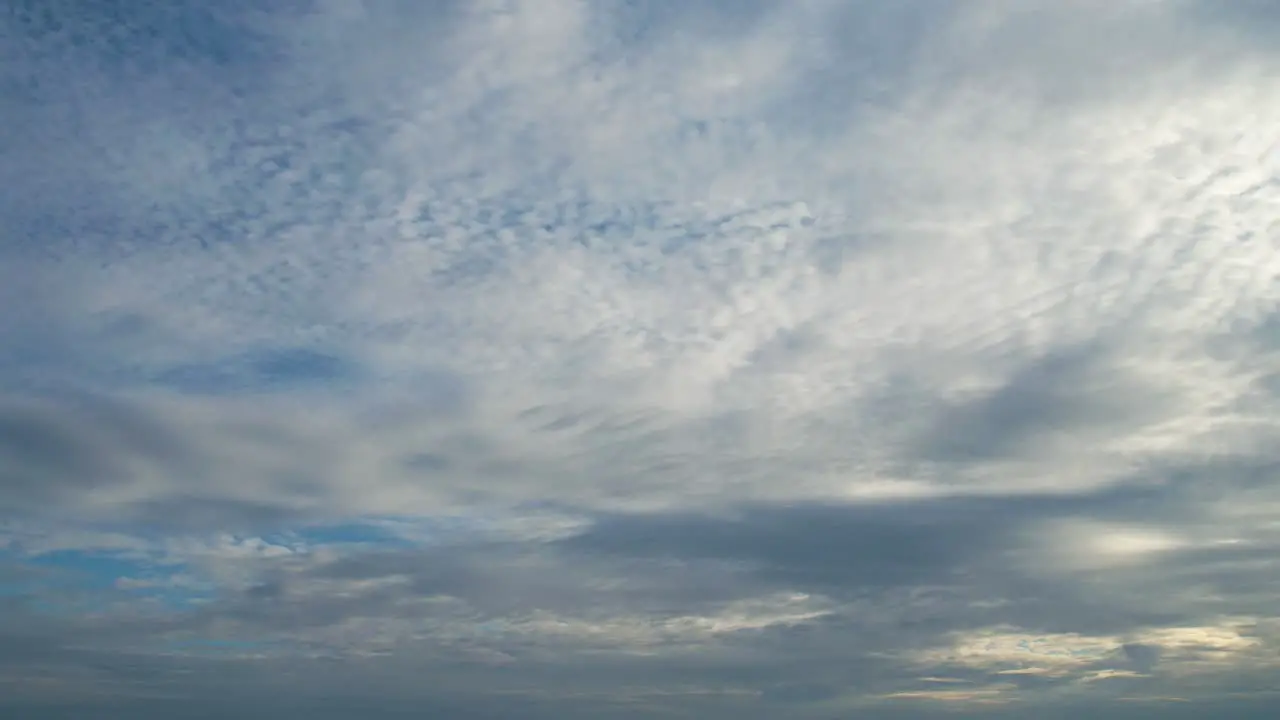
[491, 359]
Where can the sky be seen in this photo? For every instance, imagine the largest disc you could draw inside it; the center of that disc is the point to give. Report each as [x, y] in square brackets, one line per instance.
[639, 359]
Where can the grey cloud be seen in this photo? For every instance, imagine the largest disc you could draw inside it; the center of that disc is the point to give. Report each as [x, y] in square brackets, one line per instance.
[58, 451]
[1071, 394]
[1144, 657]
[1252, 20]
[833, 654]
[38, 451]
[195, 513]
[52, 450]
[820, 547]
[428, 462]
[494, 580]
[974, 552]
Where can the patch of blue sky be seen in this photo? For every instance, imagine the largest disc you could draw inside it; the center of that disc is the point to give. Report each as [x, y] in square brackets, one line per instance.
[264, 370]
[143, 37]
[387, 531]
[349, 533]
[89, 580]
[16, 590]
[440, 529]
[15, 579]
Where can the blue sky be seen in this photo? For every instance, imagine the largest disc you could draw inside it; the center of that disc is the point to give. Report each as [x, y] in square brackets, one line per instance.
[491, 358]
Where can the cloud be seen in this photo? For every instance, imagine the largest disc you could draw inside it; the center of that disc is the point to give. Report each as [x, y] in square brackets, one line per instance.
[625, 359]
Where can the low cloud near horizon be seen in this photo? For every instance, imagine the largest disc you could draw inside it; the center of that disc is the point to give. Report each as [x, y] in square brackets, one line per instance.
[493, 359]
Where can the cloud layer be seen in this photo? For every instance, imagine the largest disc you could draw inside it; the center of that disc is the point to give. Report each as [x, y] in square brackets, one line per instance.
[626, 359]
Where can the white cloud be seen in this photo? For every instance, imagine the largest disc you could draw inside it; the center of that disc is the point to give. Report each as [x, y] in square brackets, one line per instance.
[1207, 657]
[1090, 545]
[984, 270]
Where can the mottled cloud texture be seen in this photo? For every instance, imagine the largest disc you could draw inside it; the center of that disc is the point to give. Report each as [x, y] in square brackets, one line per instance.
[715, 359]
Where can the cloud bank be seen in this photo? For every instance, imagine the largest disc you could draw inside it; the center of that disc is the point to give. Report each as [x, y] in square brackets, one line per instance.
[635, 359]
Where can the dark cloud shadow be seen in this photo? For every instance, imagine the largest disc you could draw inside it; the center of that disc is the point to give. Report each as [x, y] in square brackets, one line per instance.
[814, 546]
[51, 449]
[973, 551]
[1252, 21]
[1071, 394]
